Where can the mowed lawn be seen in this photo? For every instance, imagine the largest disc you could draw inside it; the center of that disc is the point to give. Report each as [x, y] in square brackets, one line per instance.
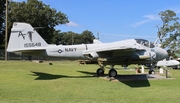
[69, 82]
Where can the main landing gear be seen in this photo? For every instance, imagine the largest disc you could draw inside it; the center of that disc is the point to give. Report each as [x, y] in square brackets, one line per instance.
[112, 72]
[100, 71]
[151, 67]
[151, 72]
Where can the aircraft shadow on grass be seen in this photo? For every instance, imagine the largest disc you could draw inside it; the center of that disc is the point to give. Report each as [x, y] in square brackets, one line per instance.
[132, 80]
[47, 76]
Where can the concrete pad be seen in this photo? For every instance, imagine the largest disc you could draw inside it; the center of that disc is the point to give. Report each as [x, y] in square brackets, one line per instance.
[135, 77]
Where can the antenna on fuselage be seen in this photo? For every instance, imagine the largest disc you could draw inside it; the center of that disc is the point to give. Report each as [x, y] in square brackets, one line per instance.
[97, 35]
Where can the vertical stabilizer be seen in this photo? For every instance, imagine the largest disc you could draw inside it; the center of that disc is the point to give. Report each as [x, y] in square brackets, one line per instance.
[24, 37]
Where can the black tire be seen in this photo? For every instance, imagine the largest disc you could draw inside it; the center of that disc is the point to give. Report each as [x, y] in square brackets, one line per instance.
[151, 72]
[112, 73]
[100, 72]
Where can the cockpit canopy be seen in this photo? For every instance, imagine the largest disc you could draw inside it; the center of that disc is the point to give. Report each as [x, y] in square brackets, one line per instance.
[145, 43]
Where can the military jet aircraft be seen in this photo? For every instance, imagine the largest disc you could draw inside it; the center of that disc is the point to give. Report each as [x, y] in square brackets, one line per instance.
[25, 39]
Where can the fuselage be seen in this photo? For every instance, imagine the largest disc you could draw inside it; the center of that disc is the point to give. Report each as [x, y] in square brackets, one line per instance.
[77, 51]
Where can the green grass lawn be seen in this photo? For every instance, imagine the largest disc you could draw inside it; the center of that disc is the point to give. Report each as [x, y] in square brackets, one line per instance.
[69, 82]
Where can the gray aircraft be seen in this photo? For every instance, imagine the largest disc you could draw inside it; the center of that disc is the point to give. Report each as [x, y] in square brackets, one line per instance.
[25, 39]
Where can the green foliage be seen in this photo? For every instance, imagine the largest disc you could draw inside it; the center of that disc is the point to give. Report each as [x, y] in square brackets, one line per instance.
[37, 14]
[2, 15]
[2, 21]
[69, 38]
[170, 30]
[87, 37]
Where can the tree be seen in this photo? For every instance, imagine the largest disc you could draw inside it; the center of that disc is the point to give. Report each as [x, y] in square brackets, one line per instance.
[87, 37]
[56, 38]
[170, 30]
[37, 14]
[2, 21]
[40, 15]
[70, 38]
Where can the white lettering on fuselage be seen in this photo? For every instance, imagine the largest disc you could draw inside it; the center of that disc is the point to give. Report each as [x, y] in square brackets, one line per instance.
[70, 49]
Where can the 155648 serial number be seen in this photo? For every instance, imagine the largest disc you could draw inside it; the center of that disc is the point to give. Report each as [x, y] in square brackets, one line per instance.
[26, 45]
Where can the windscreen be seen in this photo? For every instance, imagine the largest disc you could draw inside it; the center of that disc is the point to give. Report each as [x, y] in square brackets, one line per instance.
[145, 43]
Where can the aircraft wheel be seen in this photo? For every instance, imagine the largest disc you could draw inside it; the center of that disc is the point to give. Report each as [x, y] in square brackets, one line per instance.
[100, 71]
[112, 73]
[151, 72]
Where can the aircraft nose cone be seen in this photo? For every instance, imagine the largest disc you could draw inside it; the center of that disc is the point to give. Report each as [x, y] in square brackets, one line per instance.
[161, 54]
[165, 53]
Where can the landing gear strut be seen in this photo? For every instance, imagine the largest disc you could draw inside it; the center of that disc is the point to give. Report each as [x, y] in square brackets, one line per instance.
[151, 71]
[100, 71]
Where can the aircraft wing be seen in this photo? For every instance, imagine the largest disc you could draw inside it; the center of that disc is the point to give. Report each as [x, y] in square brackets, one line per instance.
[111, 49]
[115, 52]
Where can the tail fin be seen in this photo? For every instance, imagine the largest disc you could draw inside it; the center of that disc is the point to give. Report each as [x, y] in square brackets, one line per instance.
[96, 41]
[24, 37]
